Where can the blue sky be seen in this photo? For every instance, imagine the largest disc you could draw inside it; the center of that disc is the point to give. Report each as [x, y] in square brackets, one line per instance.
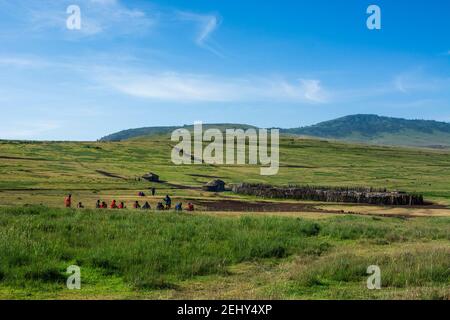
[266, 63]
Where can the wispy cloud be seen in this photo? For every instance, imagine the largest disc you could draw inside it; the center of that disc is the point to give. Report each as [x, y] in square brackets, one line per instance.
[312, 90]
[27, 129]
[417, 81]
[182, 87]
[399, 84]
[19, 61]
[134, 79]
[207, 23]
[97, 17]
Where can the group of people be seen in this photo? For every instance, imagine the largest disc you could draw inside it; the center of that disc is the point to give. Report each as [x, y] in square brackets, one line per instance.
[114, 205]
[160, 206]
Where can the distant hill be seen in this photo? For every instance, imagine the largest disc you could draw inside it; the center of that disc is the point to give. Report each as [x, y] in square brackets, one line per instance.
[375, 129]
[365, 128]
[152, 131]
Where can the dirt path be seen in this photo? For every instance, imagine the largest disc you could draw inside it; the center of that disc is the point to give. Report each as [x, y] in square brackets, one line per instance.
[180, 186]
[226, 205]
[109, 174]
[259, 206]
[434, 210]
[22, 158]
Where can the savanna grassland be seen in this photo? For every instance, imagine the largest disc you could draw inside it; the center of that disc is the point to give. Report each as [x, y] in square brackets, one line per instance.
[319, 252]
[135, 254]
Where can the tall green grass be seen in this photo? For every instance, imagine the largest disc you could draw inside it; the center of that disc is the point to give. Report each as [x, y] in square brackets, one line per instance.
[147, 249]
[410, 267]
[151, 250]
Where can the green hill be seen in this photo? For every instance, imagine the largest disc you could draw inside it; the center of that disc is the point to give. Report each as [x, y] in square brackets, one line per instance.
[380, 130]
[152, 131]
[365, 128]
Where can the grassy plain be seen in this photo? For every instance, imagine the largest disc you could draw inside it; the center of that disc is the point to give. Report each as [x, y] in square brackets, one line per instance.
[318, 253]
[134, 254]
[48, 170]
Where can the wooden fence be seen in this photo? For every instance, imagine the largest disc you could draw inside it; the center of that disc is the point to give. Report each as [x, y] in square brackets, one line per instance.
[331, 194]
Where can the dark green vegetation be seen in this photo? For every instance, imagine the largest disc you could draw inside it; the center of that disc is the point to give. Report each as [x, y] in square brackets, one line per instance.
[139, 254]
[365, 128]
[381, 130]
[166, 131]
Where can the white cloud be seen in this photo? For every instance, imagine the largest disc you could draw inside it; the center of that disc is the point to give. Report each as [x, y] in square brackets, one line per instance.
[208, 23]
[416, 81]
[27, 129]
[399, 84]
[17, 61]
[179, 87]
[105, 2]
[312, 90]
[176, 86]
[97, 17]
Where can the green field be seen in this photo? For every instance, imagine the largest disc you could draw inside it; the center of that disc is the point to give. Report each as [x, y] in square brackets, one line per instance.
[60, 167]
[147, 254]
[134, 254]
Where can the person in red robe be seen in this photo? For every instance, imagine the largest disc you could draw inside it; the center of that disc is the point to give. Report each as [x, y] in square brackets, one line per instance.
[68, 201]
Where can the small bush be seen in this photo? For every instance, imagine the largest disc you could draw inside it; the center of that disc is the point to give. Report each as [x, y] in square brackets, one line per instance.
[309, 228]
[45, 274]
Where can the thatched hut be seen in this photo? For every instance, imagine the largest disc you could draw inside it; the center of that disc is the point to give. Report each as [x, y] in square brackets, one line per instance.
[151, 177]
[215, 185]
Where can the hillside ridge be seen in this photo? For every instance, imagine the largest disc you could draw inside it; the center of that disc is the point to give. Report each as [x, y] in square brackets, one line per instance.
[366, 128]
